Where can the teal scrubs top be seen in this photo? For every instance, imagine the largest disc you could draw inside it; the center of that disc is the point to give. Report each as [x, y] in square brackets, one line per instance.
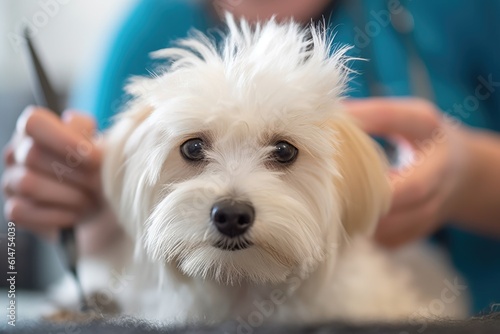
[453, 47]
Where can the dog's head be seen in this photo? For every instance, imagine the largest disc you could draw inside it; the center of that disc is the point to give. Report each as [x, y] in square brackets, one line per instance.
[237, 161]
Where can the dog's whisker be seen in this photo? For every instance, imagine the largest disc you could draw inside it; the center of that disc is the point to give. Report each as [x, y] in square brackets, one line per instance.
[233, 244]
[205, 235]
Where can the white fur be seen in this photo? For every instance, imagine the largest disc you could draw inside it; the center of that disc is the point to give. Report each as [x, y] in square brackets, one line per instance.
[313, 219]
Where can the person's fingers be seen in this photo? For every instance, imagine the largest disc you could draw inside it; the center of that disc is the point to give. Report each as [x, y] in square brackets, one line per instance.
[412, 119]
[42, 190]
[410, 191]
[418, 180]
[35, 217]
[84, 125]
[404, 226]
[48, 131]
[21, 148]
[81, 123]
[42, 161]
[8, 156]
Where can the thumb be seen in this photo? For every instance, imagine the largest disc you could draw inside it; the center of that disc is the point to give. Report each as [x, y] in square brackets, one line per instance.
[410, 118]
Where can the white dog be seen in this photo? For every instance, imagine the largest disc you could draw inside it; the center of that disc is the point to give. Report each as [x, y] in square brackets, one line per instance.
[248, 194]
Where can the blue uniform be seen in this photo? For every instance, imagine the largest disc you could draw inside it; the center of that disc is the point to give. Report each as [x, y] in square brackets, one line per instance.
[444, 50]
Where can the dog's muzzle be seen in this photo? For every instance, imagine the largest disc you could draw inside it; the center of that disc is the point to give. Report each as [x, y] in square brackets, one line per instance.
[232, 218]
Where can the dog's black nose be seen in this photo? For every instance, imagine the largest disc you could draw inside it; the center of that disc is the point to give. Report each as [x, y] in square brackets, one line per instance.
[232, 218]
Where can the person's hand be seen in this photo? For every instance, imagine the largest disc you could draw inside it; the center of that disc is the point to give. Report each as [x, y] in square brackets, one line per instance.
[425, 184]
[52, 171]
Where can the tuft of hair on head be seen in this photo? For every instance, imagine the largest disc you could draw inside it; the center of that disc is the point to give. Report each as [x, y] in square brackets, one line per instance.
[263, 46]
[277, 58]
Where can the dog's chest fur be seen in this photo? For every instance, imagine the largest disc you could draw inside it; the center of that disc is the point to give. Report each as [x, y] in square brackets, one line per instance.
[363, 285]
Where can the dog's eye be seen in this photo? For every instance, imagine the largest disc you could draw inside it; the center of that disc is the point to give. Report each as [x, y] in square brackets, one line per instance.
[285, 152]
[193, 149]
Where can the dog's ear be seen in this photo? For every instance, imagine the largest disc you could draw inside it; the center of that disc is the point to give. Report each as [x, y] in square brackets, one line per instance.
[114, 169]
[363, 186]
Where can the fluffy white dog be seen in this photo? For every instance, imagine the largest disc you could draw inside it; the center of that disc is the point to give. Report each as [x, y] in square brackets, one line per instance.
[247, 193]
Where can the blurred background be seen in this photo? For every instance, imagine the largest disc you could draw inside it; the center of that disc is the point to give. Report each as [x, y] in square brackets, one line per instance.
[69, 35]
[72, 35]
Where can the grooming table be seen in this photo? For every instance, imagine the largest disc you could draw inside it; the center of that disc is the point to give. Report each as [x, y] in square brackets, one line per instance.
[486, 325]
